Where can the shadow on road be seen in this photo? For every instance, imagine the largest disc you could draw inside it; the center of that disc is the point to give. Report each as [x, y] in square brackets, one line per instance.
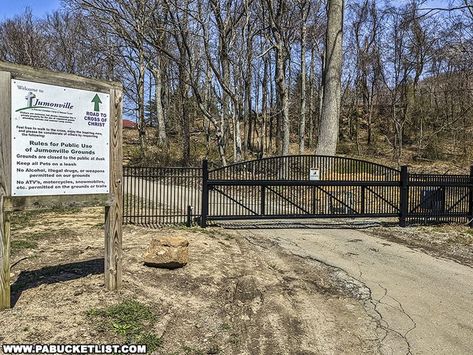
[284, 224]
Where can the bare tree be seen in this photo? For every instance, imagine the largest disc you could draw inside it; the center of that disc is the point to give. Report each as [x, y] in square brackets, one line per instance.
[21, 41]
[304, 7]
[329, 125]
[156, 38]
[282, 32]
[128, 20]
[237, 80]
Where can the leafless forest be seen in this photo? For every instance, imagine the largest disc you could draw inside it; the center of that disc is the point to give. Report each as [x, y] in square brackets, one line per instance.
[240, 79]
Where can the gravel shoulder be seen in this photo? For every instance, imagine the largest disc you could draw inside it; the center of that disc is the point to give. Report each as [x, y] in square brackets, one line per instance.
[448, 241]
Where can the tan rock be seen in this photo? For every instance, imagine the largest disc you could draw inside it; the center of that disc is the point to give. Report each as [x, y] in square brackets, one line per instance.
[167, 252]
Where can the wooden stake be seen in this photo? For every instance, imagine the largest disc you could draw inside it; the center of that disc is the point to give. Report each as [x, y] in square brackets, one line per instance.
[4, 258]
[5, 185]
[114, 212]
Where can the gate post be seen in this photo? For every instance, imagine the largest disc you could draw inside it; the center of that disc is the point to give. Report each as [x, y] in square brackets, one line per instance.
[470, 205]
[263, 201]
[404, 196]
[363, 199]
[205, 194]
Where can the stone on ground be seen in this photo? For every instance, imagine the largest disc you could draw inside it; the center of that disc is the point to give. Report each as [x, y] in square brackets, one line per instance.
[167, 252]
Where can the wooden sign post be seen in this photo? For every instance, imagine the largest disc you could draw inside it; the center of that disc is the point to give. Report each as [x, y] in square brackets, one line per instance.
[60, 144]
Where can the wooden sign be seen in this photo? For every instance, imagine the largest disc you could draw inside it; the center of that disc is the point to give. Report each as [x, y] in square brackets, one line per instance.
[60, 143]
[60, 140]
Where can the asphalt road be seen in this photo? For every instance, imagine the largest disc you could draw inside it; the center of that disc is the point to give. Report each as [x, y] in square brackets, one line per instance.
[423, 304]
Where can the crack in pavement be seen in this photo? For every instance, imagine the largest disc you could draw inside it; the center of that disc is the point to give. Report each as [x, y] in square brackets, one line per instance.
[268, 245]
[380, 321]
[375, 303]
[401, 308]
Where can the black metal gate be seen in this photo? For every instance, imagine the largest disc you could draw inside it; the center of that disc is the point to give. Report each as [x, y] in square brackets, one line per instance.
[332, 187]
[290, 187]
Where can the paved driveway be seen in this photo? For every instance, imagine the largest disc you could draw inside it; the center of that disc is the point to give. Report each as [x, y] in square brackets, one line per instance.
[424, 304]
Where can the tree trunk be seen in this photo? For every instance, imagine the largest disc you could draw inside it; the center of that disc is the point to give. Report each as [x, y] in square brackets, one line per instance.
[207, 100]
[248, 116]
[271, 110]
[311, 121]
[283, 98]
[185, 120]
[158, 80]
[320, 97]
[141, 98]
[329, 125]
[248, 97]
[184, 108]
[236, 137]
[264, 108]
[303, 92]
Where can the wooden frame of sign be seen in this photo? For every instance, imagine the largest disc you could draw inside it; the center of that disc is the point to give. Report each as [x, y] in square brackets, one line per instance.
[108, 194]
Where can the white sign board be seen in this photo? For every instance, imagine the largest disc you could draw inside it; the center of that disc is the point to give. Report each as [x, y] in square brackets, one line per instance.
[60, 140]
[314, 174]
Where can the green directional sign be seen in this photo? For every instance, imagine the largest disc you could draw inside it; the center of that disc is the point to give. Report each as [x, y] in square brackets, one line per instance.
[96, 100]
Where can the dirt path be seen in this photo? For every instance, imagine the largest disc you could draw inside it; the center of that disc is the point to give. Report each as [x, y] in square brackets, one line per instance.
[423, 303]
[240, 294]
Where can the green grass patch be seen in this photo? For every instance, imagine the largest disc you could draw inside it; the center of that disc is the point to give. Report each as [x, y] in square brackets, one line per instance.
[469, 232]
[464, 239]
[39, 235]
[20, 244]
[25, 218]
[131, 320]
[226, 327]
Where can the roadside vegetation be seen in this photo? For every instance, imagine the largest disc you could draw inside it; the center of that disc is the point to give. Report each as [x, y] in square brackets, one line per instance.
[131, 320]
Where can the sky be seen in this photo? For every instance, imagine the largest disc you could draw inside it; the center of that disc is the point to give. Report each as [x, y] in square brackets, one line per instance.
[10, 8]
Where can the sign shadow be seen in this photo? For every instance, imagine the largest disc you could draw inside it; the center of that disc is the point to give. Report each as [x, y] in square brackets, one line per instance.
[53, 274]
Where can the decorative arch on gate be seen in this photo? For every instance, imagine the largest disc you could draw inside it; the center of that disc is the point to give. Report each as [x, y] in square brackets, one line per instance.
[298, 167]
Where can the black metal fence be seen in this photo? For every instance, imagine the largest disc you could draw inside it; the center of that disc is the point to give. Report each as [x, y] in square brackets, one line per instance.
[294, 187]
[161, 196]
[440, 198]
